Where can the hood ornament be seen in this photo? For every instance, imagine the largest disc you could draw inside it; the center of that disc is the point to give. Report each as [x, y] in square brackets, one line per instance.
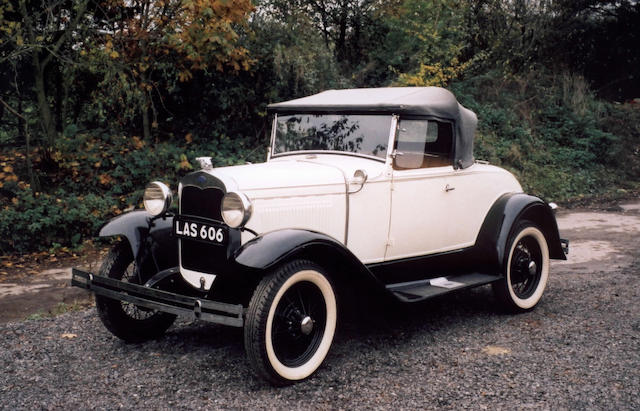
[205, 163]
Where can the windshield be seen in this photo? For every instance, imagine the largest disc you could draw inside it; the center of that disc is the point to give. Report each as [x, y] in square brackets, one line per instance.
[362, 134]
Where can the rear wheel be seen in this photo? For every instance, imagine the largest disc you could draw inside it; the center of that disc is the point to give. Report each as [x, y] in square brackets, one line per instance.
[125, 320]
[290, 322]
[526, 269]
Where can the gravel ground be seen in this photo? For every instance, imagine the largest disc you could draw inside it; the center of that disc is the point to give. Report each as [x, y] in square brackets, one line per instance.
[579, 349]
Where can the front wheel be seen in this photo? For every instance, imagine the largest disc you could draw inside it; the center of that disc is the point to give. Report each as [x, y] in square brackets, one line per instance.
[290, 322]
[125, 320]
[526, 269]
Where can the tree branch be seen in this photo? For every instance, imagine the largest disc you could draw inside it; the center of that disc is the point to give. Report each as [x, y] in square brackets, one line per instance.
[11, 109]
[56, 46]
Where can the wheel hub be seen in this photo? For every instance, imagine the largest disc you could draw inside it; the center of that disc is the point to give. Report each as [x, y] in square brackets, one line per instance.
[533, 268]
[306, 325]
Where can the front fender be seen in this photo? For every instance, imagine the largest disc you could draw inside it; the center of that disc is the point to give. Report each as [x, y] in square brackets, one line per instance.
[134, 226]
[139, 229]
[266, 251]
[507, 211]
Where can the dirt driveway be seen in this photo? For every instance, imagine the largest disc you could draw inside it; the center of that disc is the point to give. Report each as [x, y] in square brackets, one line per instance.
[43, 289]
[601, 240]
[579, 349]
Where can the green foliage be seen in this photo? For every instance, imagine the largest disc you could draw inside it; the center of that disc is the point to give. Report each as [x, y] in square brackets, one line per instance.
[430, 36]
[552, 133]
[39, 220]
[98, 177]
[78, 89]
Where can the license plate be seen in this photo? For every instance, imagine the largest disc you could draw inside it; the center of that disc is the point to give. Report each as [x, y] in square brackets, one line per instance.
[208, 232]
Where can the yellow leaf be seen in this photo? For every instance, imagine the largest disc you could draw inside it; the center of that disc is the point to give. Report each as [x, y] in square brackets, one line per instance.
[114, 54]
[184, 163]
[7, 169]
[188, 138]
[185, 75]
[105, 179]
[69, 336]
[137, 142]
[19, 41]
[495, 350]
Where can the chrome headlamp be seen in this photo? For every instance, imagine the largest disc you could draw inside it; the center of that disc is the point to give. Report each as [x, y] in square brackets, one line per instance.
[236, 209]
[157, 198]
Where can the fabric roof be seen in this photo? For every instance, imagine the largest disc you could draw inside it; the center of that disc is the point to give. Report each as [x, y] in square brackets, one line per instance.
[422, 101]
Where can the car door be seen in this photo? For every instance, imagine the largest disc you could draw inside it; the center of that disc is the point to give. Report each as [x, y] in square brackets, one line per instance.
[421, 220]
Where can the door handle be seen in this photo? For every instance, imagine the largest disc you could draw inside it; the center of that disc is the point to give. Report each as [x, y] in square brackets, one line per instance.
[449, 188]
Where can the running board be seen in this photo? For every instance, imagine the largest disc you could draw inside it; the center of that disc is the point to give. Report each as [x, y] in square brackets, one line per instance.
[415, 291]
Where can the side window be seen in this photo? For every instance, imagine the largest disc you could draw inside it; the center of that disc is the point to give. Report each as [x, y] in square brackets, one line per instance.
[423, 143]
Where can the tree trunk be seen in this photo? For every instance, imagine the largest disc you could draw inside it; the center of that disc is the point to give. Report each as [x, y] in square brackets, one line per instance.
[33, 180]
[22, 124]
[341, 43]
[59, 100]
[46, 117]
[146, 129]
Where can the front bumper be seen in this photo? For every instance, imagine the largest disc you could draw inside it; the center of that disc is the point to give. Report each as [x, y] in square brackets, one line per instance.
[190, 307]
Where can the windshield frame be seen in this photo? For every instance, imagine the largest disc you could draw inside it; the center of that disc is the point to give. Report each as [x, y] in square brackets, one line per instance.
[271, 152]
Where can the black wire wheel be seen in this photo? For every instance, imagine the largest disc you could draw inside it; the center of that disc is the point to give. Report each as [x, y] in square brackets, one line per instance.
[125, 320]
[526, 268]
[290, 322]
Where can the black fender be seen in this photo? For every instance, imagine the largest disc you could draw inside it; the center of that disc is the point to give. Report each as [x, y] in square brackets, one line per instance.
[268, 250]
[151, 240]
[504, 214]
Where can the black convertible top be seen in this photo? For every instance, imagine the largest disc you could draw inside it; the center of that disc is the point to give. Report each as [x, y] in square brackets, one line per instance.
[421, 101]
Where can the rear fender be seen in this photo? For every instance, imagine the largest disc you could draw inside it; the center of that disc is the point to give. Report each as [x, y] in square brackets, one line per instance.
[507, 211]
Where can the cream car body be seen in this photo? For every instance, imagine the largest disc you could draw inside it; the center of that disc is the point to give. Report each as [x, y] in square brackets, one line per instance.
[363, 192]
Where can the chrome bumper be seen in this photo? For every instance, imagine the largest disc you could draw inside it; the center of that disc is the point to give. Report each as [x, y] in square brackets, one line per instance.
[190, 307]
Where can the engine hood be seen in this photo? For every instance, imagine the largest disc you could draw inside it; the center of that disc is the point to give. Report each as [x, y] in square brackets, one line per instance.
[320, 174]
[275, 175]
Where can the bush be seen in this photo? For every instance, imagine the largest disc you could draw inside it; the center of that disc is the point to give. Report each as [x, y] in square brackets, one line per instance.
[40, 221]
[92, 178]
[553, 134]
[549, 130]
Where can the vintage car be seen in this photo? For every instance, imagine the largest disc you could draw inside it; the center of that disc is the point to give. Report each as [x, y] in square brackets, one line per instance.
[364, 191]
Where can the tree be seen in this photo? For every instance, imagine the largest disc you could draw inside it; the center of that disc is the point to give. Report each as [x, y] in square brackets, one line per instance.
[349, 28]
[599, 39]
[425, 41]
[41, 32]
[146, 46]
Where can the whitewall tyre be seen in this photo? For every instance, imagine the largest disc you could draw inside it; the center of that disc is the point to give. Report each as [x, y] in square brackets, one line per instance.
[526, 268]
[290, 322]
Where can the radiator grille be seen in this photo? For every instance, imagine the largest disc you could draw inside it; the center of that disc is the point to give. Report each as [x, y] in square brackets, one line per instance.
[201, 202]
[197, 256]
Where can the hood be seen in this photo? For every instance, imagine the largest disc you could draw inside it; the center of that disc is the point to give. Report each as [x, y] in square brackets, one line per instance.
[280, 175]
